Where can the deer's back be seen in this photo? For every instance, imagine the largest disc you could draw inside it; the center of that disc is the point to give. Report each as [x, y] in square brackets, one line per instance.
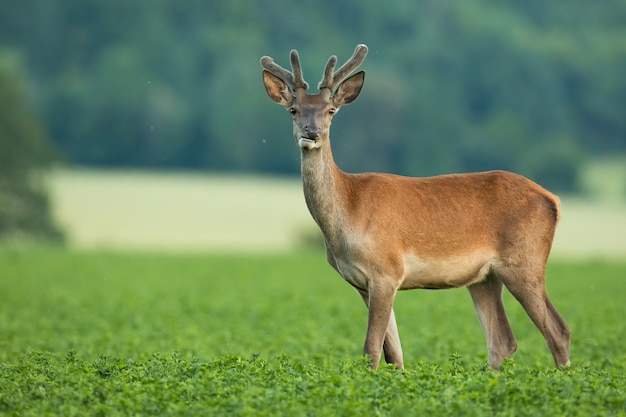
[495, 210]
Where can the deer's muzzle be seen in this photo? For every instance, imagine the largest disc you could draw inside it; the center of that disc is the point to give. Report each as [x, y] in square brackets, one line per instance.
[308, 143]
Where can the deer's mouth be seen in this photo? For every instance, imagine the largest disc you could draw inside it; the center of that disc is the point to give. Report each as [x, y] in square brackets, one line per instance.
[308, 143]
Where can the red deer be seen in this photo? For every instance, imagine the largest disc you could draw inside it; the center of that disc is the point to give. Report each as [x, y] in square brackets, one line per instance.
[385, 233]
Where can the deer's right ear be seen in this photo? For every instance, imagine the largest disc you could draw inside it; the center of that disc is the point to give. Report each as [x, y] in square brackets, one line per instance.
[277, 89]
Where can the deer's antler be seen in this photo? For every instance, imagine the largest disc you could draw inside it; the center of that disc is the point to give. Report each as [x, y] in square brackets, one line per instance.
[332, 79]
[293, 79]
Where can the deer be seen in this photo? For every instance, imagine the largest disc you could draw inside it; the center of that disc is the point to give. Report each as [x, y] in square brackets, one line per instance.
[384, 232]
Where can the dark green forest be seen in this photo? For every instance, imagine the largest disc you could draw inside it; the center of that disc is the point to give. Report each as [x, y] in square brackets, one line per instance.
[532, 86]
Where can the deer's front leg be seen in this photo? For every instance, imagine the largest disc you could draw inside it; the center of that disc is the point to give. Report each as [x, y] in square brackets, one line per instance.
[391, 346]
[379, 299]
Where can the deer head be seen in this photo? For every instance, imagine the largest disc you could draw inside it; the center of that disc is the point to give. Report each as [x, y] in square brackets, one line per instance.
[312, 113]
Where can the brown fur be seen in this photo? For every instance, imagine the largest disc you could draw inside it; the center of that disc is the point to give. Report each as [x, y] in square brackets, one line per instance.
[385, 233]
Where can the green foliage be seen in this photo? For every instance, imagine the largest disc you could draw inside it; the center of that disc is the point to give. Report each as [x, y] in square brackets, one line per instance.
[98, 333]
[176, 386]
[451, 86]
[24, 153]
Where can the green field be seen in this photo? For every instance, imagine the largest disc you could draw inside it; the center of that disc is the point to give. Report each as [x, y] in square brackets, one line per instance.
[192, 294]
[103, 333]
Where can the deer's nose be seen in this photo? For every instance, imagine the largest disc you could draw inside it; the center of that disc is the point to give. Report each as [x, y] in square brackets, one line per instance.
[312, 132]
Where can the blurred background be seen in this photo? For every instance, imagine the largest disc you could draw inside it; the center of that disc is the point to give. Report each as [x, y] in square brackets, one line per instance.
[98, 97]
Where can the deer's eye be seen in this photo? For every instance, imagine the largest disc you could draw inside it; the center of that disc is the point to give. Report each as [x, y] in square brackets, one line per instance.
[332, 110]
[293, 110]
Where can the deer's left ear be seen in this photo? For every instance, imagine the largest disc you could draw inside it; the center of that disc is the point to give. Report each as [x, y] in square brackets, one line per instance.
[349, 89]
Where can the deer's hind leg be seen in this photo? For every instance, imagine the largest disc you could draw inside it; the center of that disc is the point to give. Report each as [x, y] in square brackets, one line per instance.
[530, 290]
[487, 298]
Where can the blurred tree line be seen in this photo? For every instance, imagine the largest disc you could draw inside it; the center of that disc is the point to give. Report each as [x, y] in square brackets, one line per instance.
[25, 153]
[534, 86]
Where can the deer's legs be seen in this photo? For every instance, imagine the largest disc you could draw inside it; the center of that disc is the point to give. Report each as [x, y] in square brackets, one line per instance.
[382, 330]
[487, 298]
[391, 346]
[532, 295]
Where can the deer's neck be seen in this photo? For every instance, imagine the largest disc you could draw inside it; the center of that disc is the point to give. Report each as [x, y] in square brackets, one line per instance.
[324, 187]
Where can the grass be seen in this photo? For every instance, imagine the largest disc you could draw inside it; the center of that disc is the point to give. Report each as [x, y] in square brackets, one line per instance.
[271, 331]
[108, 333]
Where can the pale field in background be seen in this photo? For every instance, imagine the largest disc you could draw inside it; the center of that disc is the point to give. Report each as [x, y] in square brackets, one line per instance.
[178, 212]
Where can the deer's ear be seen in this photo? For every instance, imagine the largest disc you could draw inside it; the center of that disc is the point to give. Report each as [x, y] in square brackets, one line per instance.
[349, 89]
[277, 89]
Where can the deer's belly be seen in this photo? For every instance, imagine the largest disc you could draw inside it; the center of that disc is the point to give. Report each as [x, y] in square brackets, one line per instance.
[451, 272]
[413, 271]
